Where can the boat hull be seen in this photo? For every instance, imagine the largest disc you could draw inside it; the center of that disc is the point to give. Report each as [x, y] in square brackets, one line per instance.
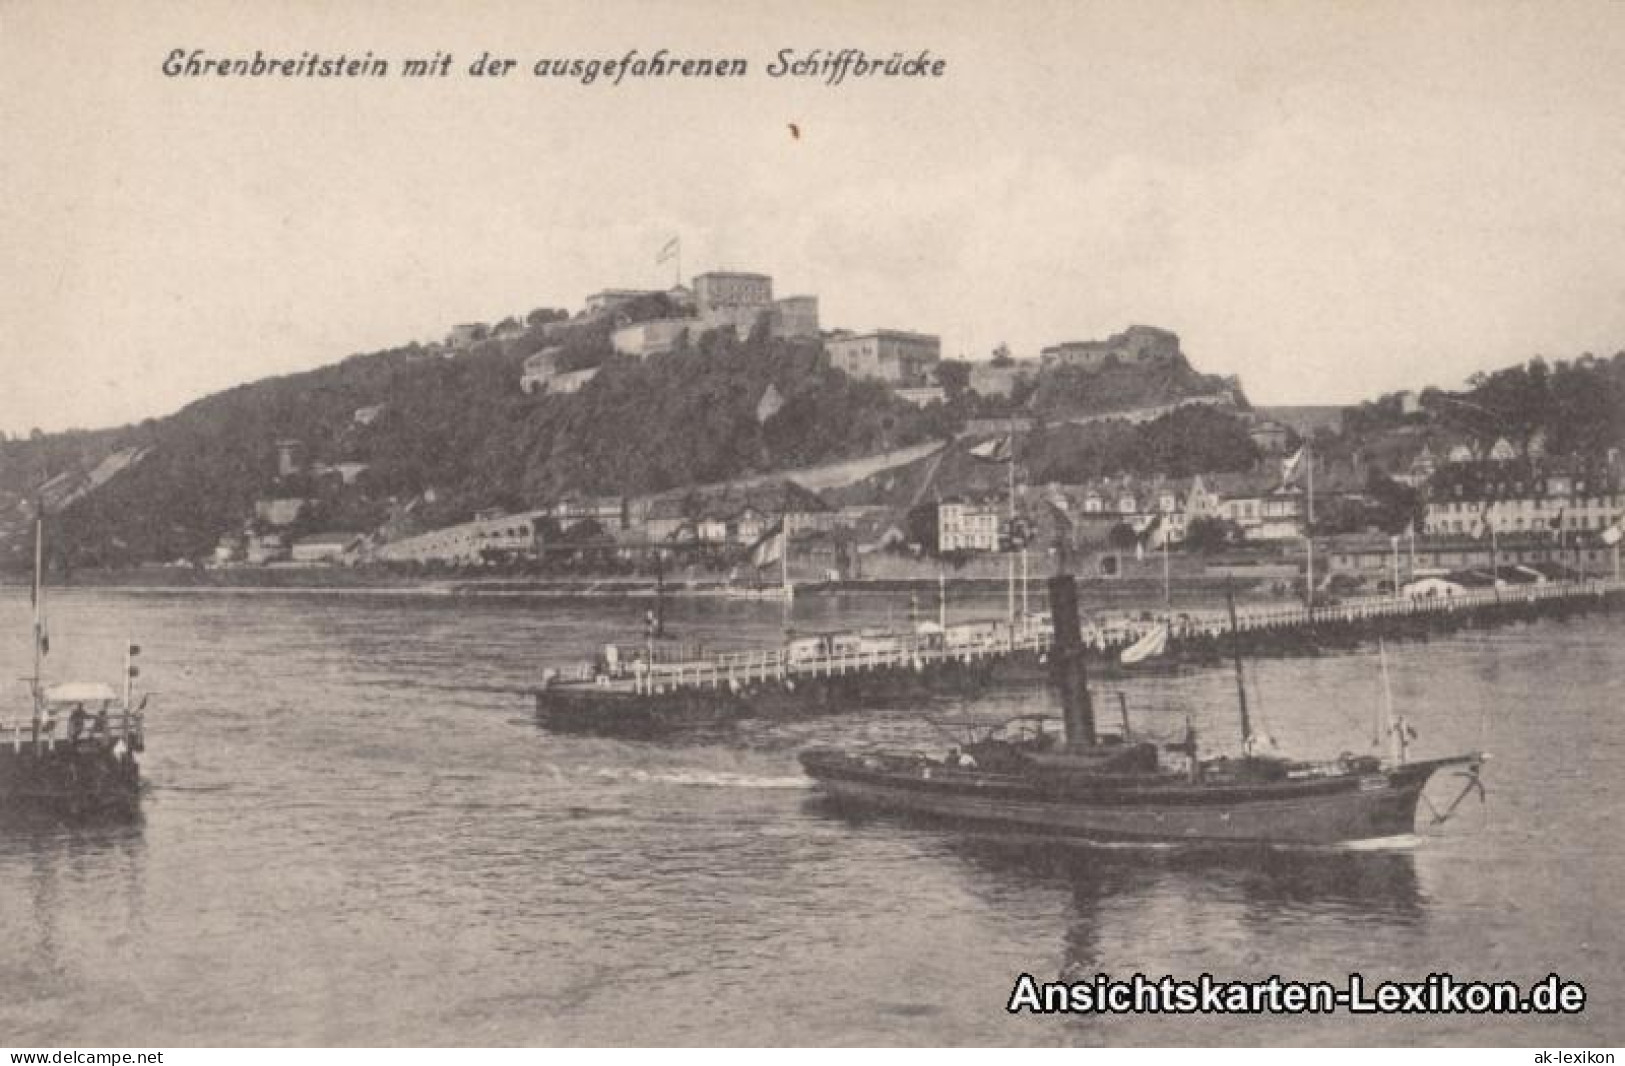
[1328, 811]
[68, 781]
[580, 708]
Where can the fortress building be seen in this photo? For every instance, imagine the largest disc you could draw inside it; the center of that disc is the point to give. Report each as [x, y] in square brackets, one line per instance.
[1137, 344]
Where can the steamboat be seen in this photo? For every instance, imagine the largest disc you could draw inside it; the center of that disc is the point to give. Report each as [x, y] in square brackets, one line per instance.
[73, 754]
[1108, 788]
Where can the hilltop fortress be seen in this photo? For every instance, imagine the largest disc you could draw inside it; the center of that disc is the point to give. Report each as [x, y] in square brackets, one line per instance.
[1137, 344]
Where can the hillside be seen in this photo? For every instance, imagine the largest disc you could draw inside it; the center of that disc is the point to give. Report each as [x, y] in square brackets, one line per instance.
[424, 436]
[1188, 441]
[1120, 385]
[1304, 419]
[452, 432]
[1540, 410]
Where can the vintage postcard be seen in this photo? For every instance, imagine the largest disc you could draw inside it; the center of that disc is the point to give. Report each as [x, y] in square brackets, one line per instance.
[932, 524]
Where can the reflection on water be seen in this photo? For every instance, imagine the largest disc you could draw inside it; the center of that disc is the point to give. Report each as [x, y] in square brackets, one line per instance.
[1264, 890]
[75, 881]
[354, 834]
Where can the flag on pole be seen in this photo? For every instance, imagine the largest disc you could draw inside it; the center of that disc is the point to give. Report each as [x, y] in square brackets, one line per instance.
[1614, 533]
[36, 591]
[1144, 532]
[1291, 467]
[1556, 524]
[669, 251]
[1153, 643]
[997, 450]
[1482, 527]
[770, 549]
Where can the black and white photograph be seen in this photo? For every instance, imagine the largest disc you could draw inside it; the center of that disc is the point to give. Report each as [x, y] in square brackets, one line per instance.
[566, 524]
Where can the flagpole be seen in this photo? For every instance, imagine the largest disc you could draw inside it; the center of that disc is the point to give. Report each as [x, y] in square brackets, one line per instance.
[1309, 535]
[1010, 604]
[1025, 611]
[1167, 584]
[39, 594]
[784, 579]
[1310, 456]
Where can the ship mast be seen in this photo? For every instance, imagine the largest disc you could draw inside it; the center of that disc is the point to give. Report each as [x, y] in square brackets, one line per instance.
[942, 597]
[1397, 726]
[658, 628]
[1241, 683]
[1309, 536]
[39, 593]
[1010, 564]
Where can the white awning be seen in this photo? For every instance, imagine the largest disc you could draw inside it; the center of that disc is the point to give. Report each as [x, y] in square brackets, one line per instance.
[80, 692]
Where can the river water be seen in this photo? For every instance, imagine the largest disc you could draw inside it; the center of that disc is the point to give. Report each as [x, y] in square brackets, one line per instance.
[354, 835]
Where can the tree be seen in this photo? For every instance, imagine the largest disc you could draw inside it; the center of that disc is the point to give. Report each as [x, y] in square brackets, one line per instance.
[1209, 534]
[1122, 536]
[921, 526]
[1195, 440]
[954, 377]
[1518, 401]
[1394, 507]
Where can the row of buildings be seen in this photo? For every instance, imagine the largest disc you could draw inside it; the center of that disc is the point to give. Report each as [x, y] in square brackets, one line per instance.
[1515, 559]
[904, 360]
[1157, 510]
[1556, 516]
[1562, 502]
[738, 517]
[743, 302]
[720, 299]
[1553, 497]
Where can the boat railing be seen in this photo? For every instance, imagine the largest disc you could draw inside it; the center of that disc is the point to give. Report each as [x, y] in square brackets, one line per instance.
[51, 731]
[752, 666]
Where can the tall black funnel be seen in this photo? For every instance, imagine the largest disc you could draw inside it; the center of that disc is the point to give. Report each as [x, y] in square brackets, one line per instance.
[1066, 663]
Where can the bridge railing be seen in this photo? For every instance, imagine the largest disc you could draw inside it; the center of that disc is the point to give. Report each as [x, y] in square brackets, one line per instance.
[858, 654]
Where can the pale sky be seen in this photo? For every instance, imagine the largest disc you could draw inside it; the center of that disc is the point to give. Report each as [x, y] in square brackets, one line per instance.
[1330, 199]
